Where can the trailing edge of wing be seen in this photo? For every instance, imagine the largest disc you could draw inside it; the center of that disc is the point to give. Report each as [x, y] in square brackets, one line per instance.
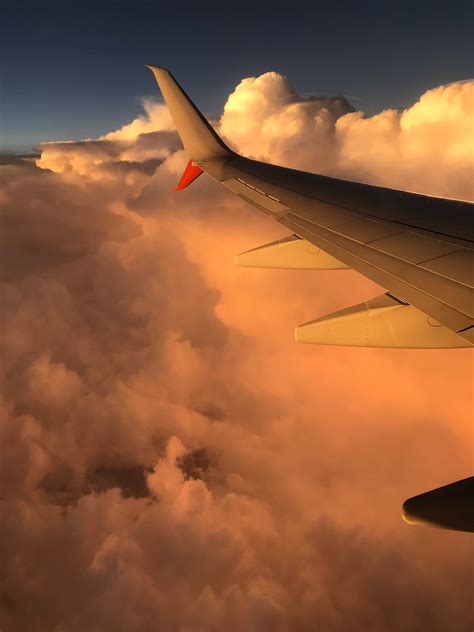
[199, 139]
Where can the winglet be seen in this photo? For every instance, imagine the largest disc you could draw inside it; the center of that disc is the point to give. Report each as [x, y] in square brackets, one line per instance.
[198, 137]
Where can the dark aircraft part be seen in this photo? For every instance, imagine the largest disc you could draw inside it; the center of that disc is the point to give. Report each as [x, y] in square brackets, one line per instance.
[447, 507]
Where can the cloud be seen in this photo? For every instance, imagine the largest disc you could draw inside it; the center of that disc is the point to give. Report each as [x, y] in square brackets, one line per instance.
[170, 457]
[427, 147]
[266, 119]
[155, 118]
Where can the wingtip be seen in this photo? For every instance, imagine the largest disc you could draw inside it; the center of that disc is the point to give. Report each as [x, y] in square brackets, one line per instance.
[155, 68]
[199, 139]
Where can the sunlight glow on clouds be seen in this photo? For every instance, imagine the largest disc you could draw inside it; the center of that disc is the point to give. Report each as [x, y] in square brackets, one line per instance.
[172, 458]
[428, 147]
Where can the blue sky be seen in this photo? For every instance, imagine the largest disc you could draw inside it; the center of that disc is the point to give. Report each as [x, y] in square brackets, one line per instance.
[77, 71]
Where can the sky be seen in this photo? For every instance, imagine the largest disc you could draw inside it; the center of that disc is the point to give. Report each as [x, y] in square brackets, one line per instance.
[75, 70]
[170, 458]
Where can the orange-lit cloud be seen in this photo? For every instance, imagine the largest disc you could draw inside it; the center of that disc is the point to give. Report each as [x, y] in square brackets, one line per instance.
[427, 147]
[171, 458]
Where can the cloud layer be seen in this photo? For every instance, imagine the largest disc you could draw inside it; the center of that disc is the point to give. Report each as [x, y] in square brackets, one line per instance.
[171, 459]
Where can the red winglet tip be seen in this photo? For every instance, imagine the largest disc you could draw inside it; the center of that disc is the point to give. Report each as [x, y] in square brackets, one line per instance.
[190, 174]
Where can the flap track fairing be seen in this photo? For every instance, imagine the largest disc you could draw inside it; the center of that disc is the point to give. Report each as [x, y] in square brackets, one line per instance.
[291, 253]
[383, 321]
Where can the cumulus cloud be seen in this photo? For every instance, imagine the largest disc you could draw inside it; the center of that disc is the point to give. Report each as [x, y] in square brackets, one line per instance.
[427, 147]
[156, 117]
[170, 457]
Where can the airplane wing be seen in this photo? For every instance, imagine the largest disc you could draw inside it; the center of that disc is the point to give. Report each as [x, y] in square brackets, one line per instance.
[419, 248]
